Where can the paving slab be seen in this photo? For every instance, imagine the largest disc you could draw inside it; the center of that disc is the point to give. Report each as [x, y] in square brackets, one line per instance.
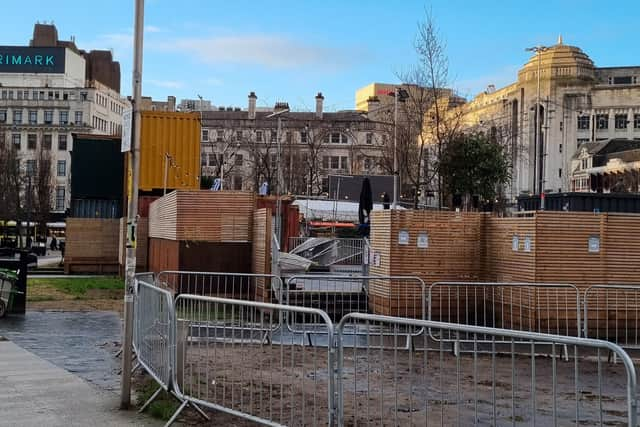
[37, 393]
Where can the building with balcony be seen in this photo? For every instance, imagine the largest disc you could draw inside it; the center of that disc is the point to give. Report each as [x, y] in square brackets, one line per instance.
[241, 147]
[50, 90]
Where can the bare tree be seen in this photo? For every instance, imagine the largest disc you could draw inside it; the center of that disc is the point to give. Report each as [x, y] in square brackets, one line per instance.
[11, 183]
[42, 186]
[225, 154]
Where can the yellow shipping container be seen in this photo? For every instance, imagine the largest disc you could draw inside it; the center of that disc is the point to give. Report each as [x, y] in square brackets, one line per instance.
[170, 142]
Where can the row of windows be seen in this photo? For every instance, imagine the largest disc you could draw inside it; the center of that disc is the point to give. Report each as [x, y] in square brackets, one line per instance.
[42, 95]
[61, 167]
[621, 121]
[239, 135]
[32, 141]
[48, 117]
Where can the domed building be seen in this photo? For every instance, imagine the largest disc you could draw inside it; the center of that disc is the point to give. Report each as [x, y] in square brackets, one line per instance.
[577, 102]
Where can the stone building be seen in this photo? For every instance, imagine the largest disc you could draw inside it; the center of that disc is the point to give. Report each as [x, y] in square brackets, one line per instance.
[50, 90]
[241, 146]
[579, 103]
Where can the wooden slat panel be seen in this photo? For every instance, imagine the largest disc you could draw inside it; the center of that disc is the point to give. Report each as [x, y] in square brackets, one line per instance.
[93, 244]
[261, 251]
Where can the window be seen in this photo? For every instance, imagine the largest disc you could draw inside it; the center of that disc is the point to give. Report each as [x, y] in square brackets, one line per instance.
[239, 160]
[34, 95]
[33, 117]
[585, 163]
[62, 142]
[325, 185]
[32, 141]
[15, 140]
[78, 118]
[205, 134]
[64, 117]
[46, 142]
[289, 137]
[48, 117]
[59, 198]
[274, 160]
[212, 160]
[50, 94]
[3, 116]
[560, 148]
[31, 167]
[17, 117]
[219, 135]
[621, 121]
[583, 122]
[10, 94]
[62, 168]
[237, 182]
[4, 94]
[259, 135]
[335, 162]
[274, 135]
[325, 162]
[303, 137]
[343, 162]
[19, 94]
[636, 120]
[369, 138]
[622, 80]
[367, 164]
[41, 95]
[560, 173]
[2, 140]
[602, 121]
[335, 138]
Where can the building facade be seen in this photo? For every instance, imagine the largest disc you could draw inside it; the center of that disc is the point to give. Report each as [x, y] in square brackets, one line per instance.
[577, 103]
[241, 147]
[50, 90]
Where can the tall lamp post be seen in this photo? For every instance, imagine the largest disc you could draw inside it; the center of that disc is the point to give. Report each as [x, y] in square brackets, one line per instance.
[538, 151]
[399, 95]
[280, 176]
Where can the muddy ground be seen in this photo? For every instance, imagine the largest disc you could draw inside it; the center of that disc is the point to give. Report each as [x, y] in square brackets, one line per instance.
[289, 384]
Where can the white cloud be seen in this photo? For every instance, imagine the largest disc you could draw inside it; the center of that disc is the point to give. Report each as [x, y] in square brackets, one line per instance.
[152, 29]
[267, 50]
[167, 84]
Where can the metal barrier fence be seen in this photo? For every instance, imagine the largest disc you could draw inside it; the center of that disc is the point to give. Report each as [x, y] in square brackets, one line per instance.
[152, 331]
[533, 307]
[386, 385]
[612, 313]
[224, 362]
[252, 287]
[402, 296]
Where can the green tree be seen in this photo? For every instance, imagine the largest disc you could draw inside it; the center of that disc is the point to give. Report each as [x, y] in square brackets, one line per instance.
[473, 164]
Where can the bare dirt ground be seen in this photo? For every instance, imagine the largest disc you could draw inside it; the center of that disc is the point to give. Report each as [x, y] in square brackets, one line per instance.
[289, 384]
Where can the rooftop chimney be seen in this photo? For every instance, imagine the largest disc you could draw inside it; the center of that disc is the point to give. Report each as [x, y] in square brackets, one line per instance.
[252, 105]
[319, 102]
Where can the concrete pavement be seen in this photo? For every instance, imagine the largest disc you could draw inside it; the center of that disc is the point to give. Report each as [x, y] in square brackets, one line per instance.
[33, 392]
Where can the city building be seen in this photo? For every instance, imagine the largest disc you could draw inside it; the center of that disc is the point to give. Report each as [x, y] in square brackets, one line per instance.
[50, 90]
[240, 146]
[578, 103]
[199, 104]
[148, 104]
[609, 166]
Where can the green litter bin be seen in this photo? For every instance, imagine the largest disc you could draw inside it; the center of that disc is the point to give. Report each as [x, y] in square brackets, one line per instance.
[8, 279]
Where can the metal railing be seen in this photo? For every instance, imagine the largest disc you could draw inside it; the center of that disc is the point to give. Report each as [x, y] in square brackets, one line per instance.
[403, 296]
[338, 251]
[385, 385]
[251, 287]
[224, 362]
[612, 313]
[532, 307]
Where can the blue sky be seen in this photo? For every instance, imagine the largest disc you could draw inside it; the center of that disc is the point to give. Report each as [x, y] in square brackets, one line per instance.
[289, 50]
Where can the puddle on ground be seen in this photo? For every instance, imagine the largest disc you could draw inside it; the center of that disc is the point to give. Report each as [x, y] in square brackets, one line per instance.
[83, 343]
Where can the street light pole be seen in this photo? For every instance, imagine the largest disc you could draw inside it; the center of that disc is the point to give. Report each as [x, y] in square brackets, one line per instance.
[538, 150]
[395, 148]
[134, 158]
[280, 176]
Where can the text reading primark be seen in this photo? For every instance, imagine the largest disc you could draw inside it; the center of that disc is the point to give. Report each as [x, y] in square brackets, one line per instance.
[44, 60]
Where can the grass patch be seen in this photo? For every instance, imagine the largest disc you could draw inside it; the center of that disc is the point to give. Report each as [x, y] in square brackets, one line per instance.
[163, 407]
[78, 286]
[38, 298]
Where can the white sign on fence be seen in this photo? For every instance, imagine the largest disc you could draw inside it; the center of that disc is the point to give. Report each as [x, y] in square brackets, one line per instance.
[127, 116]
[423, 240]
[403, 237]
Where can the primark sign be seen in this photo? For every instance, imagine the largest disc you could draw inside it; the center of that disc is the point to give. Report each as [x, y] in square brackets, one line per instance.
[18, 59]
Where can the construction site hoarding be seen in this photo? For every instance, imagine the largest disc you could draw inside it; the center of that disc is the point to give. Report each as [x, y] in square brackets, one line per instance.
[169, 151]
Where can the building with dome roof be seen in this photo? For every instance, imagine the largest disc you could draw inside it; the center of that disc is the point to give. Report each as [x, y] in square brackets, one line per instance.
[578, 103]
